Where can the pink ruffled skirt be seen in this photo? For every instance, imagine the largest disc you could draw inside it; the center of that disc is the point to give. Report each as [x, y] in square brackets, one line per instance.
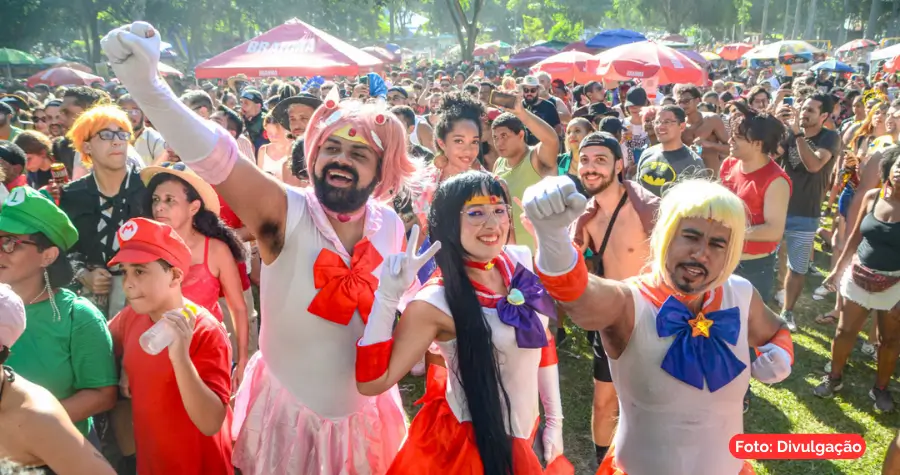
[277, 434]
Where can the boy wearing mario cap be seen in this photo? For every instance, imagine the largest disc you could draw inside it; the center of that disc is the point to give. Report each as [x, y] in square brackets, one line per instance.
[179, 428]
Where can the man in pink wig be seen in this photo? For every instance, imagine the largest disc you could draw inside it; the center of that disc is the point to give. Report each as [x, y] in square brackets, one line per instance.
[298, 409]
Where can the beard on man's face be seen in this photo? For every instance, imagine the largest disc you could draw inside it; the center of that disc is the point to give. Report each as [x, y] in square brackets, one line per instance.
[342, 200]
[596, 188]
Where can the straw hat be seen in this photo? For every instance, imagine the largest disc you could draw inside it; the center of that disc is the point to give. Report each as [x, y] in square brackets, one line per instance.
[205, 190]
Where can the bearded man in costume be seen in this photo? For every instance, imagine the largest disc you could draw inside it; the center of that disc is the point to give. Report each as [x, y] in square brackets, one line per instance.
[678, 338]
[298, 409]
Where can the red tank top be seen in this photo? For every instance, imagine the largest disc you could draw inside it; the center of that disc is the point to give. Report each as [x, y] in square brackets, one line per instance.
[751, 187]
[201, 287]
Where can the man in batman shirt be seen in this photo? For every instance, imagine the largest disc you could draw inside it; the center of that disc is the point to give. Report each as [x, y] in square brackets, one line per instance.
[670, 159]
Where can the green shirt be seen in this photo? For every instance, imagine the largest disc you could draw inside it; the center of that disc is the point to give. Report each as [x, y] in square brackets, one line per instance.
[517, 179]
[66, 355]
[13, 132]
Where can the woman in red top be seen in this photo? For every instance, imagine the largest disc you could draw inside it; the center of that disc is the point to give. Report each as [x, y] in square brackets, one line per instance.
[181, 199]
[763, 186]
[182, 419]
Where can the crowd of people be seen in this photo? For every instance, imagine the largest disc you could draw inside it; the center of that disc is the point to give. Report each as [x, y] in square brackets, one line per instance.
[446, 225]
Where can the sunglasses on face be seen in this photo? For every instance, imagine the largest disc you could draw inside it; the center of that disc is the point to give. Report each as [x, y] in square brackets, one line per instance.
[39, 119]
[395, 98]
[530, 90]
[8, 244]
[107, 134]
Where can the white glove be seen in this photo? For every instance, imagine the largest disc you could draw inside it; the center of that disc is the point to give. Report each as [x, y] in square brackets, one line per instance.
[398, 272]
[133, 52]
[548, 388]
[552, 204]
[773, 365]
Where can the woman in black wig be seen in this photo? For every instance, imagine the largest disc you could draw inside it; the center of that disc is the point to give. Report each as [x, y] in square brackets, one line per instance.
[488, 313]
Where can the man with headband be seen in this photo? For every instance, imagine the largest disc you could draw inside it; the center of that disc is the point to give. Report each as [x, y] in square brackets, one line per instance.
[678, 338]
[628, 209]
[298, 409]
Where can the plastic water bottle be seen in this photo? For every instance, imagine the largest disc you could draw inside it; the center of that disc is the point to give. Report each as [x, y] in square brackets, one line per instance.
[161, 334]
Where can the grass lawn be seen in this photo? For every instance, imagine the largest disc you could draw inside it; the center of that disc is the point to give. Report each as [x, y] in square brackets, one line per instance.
[787, 407]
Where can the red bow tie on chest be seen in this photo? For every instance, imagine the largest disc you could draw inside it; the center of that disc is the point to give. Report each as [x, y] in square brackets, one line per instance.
[342, 289]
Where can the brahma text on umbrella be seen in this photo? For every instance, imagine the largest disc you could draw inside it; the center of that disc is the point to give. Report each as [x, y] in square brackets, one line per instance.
[305, 45]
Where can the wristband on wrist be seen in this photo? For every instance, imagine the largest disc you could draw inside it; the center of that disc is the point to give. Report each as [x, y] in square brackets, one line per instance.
[372, 360]
[569, 286]
[783, 340]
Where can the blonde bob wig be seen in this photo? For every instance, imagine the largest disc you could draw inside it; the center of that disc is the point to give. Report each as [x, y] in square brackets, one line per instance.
[699, 198]
[91, 122]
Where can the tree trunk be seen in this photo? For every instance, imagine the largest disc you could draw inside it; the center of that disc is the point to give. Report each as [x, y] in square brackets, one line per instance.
[391, 19]
[842, 31]
[461, 22]
[810, 20]
[796, 31]
[872, 24]
[765, 20]
[787, 18]
[895, 9]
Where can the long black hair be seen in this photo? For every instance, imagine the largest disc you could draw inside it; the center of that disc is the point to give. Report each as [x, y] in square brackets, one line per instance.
[478, 371]
[205, 221]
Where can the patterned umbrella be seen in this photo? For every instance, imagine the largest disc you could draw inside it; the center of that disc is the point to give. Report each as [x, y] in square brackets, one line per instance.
[856, 45]
[710, 56]
[733, 51]
[788, 53]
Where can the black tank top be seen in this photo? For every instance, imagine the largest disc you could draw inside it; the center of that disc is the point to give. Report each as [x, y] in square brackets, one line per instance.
[880, 245]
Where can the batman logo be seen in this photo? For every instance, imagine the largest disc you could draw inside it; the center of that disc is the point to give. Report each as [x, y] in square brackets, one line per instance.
[657, 173]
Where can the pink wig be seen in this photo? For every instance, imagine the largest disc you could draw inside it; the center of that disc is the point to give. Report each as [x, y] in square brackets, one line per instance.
[396, 167]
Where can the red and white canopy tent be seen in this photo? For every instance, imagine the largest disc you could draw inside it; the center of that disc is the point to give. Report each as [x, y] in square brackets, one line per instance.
[292, 49]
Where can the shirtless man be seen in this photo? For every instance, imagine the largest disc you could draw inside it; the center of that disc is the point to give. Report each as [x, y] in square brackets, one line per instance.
[629, 209]
[706, 131]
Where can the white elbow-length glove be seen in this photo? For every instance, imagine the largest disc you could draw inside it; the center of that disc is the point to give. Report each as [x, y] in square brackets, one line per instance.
[548, 388]
[133, 52]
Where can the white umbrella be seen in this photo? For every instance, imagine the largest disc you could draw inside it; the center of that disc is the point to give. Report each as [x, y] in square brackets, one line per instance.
[885, 53]
[53, 60]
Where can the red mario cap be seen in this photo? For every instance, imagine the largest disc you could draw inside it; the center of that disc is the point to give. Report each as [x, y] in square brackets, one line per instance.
[142, 241]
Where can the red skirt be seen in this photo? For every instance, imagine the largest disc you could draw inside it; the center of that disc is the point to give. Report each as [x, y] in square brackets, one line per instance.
[609, 466]
[438, 444]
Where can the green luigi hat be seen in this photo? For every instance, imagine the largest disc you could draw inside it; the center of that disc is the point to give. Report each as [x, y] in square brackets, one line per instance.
[27, 211]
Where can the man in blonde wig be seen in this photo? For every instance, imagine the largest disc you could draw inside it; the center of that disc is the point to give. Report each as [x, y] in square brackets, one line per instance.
[678, 338]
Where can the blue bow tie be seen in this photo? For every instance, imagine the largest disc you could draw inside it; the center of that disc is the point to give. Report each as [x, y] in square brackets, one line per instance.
[699, 350]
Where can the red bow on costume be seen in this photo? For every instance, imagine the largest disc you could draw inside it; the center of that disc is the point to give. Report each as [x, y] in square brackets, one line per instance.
[342, 289]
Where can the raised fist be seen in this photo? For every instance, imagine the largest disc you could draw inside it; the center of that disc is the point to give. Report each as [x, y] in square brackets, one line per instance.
[133, 52]
[553, 203]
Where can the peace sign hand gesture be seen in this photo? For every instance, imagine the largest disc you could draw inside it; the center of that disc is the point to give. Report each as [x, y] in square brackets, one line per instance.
[399, 270]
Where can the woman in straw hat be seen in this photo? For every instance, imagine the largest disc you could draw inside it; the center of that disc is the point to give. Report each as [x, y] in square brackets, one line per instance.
[178, 197]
